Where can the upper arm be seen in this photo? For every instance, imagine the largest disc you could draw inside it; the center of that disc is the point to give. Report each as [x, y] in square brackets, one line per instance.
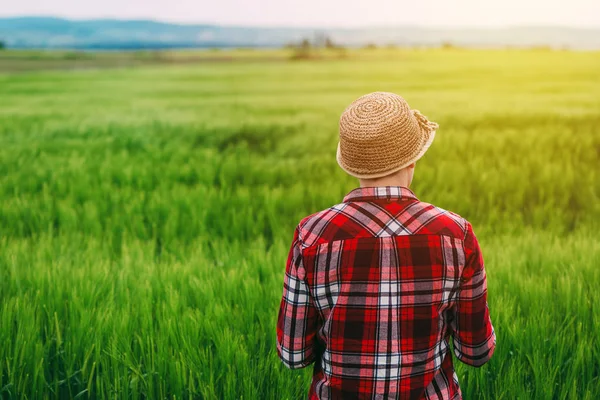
[298, 317]
[473, 333]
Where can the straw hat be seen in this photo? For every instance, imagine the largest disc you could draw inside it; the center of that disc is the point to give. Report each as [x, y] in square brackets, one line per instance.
[380, 135]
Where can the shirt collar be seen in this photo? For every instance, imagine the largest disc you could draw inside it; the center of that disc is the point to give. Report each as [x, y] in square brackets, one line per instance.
[379, 193]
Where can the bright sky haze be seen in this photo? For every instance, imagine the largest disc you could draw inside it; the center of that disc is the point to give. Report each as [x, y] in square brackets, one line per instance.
[324, 13]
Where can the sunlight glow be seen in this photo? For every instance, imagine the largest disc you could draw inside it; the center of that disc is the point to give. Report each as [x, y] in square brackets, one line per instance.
[326, 13]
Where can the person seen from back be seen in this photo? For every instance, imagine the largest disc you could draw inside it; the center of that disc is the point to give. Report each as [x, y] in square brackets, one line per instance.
[378, 287]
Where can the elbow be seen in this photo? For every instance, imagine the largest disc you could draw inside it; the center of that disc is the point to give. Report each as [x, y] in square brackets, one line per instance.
[294, 359]
[477, 361]
[476, 356]
[294, 365]
[291, 365]
[487, 356]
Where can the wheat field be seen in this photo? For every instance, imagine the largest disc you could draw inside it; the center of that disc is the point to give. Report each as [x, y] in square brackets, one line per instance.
[146, 213]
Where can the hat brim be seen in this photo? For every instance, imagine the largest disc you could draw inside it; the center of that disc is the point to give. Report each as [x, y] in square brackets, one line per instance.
[390, 171]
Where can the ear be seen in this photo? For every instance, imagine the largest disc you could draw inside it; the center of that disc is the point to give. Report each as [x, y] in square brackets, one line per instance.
[411, 166]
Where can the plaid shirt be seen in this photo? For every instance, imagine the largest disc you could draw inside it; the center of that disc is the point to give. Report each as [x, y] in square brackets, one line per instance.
[374, 289]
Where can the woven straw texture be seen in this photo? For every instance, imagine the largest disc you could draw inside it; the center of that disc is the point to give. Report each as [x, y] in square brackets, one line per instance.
[380, 135]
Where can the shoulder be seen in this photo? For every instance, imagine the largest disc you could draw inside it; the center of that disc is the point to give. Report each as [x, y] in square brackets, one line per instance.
[341, 222]
[312, 228]
[435, 220]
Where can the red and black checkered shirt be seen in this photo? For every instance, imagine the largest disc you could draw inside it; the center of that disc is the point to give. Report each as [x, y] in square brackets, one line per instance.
[375, 288]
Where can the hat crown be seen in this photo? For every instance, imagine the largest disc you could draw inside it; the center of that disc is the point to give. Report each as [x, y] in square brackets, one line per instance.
[377, 115]
[380, 134]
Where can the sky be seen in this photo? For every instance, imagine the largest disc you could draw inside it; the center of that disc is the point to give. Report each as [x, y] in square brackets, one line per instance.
[324, 13]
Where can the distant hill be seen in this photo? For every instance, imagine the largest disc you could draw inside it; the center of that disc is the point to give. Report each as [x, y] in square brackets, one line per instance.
[55, 33]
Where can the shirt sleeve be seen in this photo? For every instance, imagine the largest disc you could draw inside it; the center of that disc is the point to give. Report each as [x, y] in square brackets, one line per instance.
[297, 323]
[473, 334]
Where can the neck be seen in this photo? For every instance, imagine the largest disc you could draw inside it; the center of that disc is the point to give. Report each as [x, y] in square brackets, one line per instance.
[401, 178]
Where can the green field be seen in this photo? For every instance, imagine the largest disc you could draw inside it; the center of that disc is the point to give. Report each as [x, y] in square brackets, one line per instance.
[146, 214]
